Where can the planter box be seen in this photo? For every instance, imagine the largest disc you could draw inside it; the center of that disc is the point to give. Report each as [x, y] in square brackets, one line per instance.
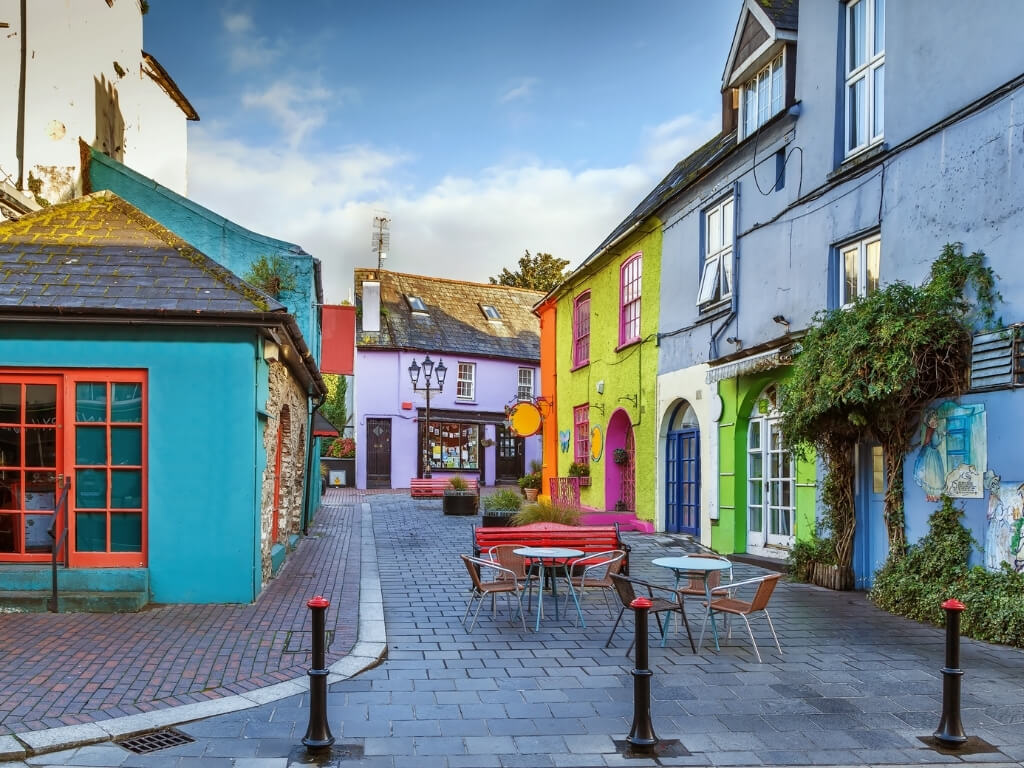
[496, 519]
[839, 577]
[584, 481]
[460, 502]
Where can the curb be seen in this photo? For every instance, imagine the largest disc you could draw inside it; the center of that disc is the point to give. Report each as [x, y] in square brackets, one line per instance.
[369, 649]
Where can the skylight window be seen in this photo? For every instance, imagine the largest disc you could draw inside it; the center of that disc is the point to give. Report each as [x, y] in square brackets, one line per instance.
[490, 312]
[416, 304]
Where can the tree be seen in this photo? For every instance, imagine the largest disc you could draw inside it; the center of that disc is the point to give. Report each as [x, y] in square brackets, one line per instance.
[541, 272]
[333, 408]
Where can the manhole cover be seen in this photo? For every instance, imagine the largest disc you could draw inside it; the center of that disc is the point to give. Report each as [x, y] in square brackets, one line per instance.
[155, 740]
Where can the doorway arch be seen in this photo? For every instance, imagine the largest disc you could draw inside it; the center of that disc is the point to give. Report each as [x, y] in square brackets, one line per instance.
[682, 471]
[620, 479]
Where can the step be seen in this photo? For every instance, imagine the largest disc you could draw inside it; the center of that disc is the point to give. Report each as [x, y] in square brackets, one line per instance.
[74, 602]
[28, 578]
[768, 563]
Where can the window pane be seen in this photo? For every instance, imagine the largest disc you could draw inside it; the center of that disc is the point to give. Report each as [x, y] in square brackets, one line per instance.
[874, 258]
[879, 36]
[855, 40]
[10, 446]
[714, 231]
[127, 405]
[41, 404]
[90, 402]
[754, 523]
[709, 281]
[9, 533]
[9, 484]
[750, 108]
[91, 488]
[91, 532]
[726, 272]
[125, 532]
[37, 539]
[850, 266]
[878, 102]
[777, 87]
[126, 489]
[91, 445]
[727, 225]
[877, 470]
[10, 403]
[125, 446]
[41, 447]
[764, 98]
[754, 436]
[855, 117]
[756, 466]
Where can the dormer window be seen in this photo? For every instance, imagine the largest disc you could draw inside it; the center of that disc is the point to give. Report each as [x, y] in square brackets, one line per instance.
[416, 304]
[491, 313]
[762, 98]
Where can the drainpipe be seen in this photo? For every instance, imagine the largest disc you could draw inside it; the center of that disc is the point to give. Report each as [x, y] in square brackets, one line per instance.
[20, 138]
[306, 505]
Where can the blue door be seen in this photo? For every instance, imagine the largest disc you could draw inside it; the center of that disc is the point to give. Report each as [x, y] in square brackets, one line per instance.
[682, 482]
[870, 537]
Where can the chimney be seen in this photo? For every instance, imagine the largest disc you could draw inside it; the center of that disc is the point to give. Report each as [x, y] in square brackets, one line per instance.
[371, 306]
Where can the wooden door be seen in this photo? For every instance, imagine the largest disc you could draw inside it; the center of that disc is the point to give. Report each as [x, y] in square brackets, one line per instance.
[378, 453]
[508, 466]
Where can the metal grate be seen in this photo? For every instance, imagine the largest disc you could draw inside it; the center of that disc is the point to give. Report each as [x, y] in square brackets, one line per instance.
[155, 740]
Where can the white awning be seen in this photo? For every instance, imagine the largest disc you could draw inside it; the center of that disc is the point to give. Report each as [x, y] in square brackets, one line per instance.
[773, 358]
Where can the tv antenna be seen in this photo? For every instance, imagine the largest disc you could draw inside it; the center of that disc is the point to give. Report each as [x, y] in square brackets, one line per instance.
[381, 238]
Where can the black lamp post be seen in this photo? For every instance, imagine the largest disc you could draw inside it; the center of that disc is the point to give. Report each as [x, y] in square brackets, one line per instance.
[429, 372]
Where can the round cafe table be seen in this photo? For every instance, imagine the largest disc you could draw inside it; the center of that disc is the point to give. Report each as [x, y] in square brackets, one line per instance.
[552, 558]
[699, 567]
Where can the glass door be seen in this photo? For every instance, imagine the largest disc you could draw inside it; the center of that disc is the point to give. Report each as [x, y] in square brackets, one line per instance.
[30, 465]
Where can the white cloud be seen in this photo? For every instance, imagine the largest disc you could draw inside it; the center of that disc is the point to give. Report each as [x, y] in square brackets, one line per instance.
[237, 23]
[245, 49]
[297, 109]
[467, 227]
[518, 92]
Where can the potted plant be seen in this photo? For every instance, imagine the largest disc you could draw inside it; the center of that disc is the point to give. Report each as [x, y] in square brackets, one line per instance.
[582, 471]
[620, 506]
[499, 507]
[530, 485]
[620, 456]
[458, 498]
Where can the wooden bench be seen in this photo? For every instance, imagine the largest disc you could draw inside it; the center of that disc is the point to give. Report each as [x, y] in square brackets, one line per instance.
[423, 487]
[587, 538]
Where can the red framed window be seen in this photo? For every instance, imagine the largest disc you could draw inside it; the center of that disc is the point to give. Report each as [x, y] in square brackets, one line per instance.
[629, 299]
[581, 330]
[581, 433]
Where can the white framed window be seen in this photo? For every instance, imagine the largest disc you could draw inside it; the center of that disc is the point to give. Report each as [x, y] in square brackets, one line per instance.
[859, 264]
[465, 386]
[416, 304]
[771, 479]
[716, 278]
[865, 73]
[763, 96]
[525, 390]
[490, 312]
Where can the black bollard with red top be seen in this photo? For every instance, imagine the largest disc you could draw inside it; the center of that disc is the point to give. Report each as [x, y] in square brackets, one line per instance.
[318, 735]
[950, 732]
[642, 739]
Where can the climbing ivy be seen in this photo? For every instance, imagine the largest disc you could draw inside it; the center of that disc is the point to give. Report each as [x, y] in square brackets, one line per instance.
[867, 371]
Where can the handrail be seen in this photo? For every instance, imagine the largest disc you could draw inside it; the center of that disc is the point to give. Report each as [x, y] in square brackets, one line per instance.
[58, 541]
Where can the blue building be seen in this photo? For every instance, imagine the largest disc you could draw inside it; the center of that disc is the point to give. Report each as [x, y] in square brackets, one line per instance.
[165, 396]
[854, 146]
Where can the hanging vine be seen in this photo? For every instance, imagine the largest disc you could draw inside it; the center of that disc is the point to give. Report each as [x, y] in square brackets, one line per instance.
[866, 373]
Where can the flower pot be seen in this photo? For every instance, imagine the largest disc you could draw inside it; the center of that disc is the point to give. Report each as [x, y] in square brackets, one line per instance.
[460, 502]
[531, 493]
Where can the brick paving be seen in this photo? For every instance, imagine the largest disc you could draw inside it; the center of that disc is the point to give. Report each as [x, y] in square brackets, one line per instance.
[854, 685]
[64, 669]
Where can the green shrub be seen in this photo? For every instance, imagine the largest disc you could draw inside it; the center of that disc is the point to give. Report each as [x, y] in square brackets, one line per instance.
[458, 483]
[577, 469]
[531, 480]
[546, 512]
[935, 569]
[504, 500]
[805, 552]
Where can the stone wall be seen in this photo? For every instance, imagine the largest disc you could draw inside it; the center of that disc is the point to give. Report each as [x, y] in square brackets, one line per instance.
[286, 405]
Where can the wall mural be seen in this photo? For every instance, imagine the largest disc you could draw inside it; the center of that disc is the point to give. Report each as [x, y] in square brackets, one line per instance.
[953, 456]
[1003, 540]
[564, 435]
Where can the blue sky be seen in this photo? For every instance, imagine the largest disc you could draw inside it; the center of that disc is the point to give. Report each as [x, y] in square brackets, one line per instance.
[481, 128]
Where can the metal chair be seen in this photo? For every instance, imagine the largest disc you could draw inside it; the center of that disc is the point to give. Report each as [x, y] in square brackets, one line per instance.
[597, 573]
[758, 604]
[625, 588]
[502, 581]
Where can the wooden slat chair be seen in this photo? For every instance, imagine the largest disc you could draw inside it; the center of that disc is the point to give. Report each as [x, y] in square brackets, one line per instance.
[723, 601]
[489, 578]
[695, 582]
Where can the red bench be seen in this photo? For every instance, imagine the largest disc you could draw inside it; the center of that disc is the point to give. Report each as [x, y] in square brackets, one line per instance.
[586, 538]
[424, 487]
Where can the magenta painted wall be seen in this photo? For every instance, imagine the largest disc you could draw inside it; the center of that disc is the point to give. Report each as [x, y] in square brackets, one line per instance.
[382, 384]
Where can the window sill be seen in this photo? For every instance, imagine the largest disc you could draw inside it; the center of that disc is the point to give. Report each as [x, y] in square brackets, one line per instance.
[465, 402]
[578, 367]
[862, 157]
[626, 344]
[709, 312]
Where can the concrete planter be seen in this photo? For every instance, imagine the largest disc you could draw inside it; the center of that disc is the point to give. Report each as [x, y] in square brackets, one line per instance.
[460, 502]
[496, 519]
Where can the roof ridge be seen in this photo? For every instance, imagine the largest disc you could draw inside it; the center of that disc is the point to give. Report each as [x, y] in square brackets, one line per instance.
[449, 280]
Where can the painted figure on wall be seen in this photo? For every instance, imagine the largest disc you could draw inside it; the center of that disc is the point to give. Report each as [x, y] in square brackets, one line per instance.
[953, 453]
[1005, 517]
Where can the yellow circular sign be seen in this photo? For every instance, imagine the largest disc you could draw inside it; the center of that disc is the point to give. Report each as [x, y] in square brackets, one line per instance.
[525, 419]
[596, 443]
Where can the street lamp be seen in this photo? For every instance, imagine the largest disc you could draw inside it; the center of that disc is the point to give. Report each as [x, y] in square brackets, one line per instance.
[429, 372]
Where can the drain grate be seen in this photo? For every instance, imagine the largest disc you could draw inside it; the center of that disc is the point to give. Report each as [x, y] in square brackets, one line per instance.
[155, 740]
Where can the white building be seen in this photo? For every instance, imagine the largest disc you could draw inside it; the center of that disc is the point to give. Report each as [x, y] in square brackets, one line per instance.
[75, 69]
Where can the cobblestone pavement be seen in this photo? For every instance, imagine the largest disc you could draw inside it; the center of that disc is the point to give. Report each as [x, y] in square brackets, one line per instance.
[66, 669]
[853, 686]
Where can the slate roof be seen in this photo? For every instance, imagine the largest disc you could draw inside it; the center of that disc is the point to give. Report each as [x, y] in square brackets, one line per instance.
[100, 253]
[453, 322]
[783, 13]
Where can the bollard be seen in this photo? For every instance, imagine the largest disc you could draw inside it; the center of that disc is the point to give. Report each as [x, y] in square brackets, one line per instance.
[641, 739]
[950, 732]
[318, 735]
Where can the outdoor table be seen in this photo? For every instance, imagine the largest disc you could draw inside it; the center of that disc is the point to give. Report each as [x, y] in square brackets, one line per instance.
[699, 567]
[556, 557]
